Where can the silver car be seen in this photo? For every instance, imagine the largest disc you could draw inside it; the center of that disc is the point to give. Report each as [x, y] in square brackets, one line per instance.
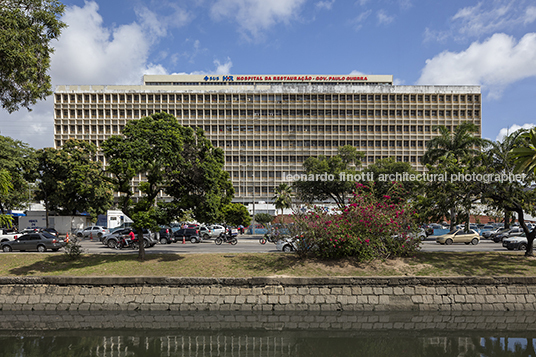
[94, 232]
[286, 245]
[34, 241]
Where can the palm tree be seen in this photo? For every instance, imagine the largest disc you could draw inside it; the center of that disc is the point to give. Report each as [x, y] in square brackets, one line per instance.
[501, 156]
[454, 149]
[525, 155]
[283, 196]
[459, 144]
[5, 186]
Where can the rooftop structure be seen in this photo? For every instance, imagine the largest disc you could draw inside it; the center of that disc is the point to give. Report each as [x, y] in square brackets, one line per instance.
[269, 124]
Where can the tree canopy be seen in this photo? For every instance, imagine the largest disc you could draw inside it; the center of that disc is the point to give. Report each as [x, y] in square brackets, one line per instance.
[70, 180]
[236, 214]
[173, 159]
[320, 188]
[26, 29]
[18, 159]
[283, 197]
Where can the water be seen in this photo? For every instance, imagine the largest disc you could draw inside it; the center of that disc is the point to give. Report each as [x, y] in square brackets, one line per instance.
[267, 334]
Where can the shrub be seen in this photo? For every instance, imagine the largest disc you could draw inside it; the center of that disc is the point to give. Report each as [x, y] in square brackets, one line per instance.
[367, 228]
[74, 249]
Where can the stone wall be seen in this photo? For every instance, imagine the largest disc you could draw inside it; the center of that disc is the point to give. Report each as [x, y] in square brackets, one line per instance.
[268, 294]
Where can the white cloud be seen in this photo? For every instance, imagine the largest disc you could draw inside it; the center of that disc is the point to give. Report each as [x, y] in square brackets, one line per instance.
[432, 35]
[221, 68]
[530, 15]
[494, 64]
[383, 18]
[328, 4]
[357, 22]
[405, 4]
[256, 16]
[90, 53]
[362, 2]
[485, 18]
[507, 131]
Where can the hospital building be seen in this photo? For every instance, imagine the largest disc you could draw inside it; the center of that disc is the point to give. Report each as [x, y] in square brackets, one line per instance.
[268, 125]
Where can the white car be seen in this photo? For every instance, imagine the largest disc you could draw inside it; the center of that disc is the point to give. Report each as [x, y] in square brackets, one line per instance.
[8, 236]
[515, 243]
[286, 245]
[216, 230]
[95, 232]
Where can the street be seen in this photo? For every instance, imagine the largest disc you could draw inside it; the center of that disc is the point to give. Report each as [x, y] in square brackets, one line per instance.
[250, 244]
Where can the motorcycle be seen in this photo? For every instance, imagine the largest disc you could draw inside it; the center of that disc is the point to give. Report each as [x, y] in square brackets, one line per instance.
[126, 242]
[228, 237]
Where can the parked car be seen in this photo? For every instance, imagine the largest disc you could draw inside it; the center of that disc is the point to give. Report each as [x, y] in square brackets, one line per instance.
[286, 244]
[436, 226]
[52, 231]
[165, 235]
[459, 236]
[507, 234]
[34, 241]
[491, 234]
[516, 243]
[30, 230]
[191, 234]
[110, 240]
[205, 232]
[93, 231]
[217, 230]
[8, 235]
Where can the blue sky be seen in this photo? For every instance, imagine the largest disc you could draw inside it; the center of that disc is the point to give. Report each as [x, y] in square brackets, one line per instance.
[491, 43]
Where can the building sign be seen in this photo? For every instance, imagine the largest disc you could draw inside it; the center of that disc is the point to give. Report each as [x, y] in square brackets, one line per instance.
[286, 78]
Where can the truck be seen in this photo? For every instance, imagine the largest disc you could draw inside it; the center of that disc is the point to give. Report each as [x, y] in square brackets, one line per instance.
[7, 235]
[114, 219]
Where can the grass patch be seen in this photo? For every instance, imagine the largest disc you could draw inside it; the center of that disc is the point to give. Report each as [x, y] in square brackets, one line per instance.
[250, 265]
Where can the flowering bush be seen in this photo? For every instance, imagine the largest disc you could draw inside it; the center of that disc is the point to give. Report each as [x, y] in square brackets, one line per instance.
[367, 228]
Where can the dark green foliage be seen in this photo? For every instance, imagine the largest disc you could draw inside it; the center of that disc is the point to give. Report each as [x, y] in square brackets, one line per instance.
[385, 168]
[236, 214]
[283, 197]
[18, 159]
[70, 181]
[322, 190]
[74, 249]
[175, 160]
[264, 218]
[26, 29]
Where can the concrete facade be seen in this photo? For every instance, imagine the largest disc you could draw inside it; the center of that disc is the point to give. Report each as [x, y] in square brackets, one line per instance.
[268, 125]
[268, 294]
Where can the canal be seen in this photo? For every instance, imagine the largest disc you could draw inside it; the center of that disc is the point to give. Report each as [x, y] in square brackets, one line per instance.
[293, 334]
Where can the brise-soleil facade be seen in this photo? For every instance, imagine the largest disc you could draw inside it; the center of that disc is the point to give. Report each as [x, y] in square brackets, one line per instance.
[269, 124]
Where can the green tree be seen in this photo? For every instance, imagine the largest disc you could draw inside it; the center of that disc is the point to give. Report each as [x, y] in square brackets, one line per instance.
[283, 197]
[18, 159]
[322, 188]
[458, 144]
[264, 218]
[236, 214]
[70, 180]
[385, 171]
[455, 153]
[500, 158]
[175, 160]
[5, 187]
[26, 29]
[517, 195]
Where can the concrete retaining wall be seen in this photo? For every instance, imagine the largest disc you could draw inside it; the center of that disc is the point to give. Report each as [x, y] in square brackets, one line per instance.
[268, 294]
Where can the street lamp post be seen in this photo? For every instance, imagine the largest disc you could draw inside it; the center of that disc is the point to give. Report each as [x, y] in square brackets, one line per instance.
[244, 167]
